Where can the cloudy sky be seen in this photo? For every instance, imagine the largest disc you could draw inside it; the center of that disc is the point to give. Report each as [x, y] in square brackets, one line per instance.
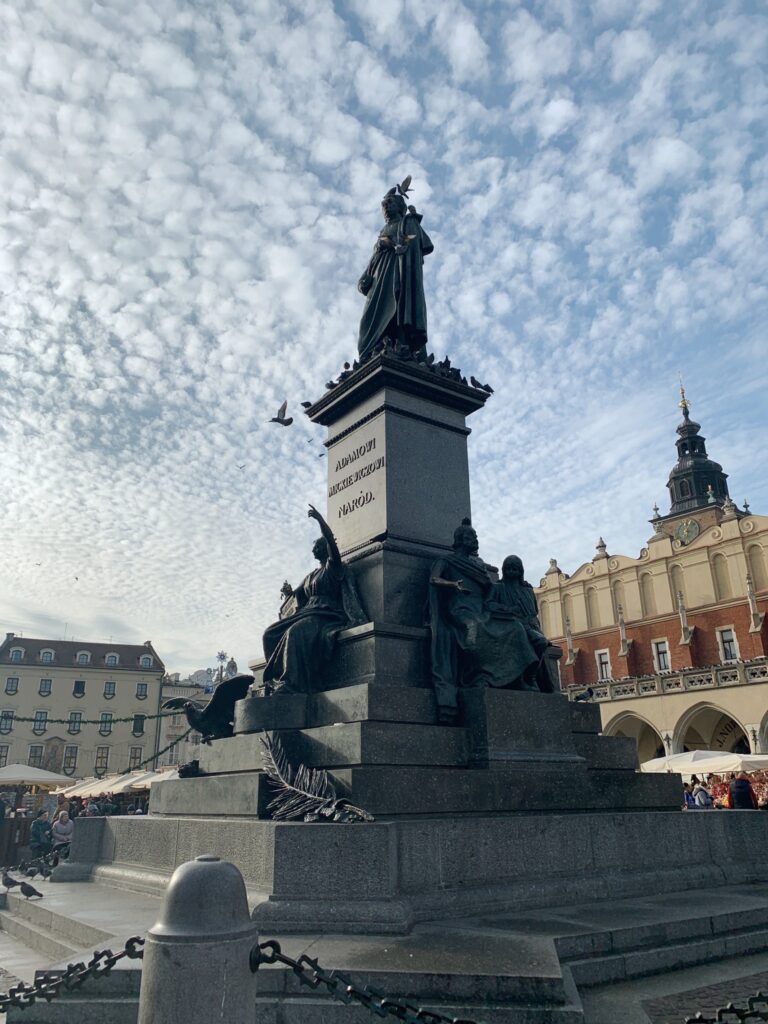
[189, 192]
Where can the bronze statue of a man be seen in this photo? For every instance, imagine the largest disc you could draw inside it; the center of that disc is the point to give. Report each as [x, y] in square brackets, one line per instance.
[393, 281]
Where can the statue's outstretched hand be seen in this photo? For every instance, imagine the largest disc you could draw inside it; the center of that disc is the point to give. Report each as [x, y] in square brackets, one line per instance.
[314, 514]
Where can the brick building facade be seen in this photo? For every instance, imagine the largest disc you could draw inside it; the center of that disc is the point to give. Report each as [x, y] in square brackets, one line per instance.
[673, 643]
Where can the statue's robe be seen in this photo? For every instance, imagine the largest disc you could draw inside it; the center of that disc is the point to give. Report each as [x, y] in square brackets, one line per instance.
[473, 644]
[395, 296]
[298, 645]
[518, 597]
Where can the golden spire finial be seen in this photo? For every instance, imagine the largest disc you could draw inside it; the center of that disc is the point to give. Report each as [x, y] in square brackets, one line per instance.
[684, 404]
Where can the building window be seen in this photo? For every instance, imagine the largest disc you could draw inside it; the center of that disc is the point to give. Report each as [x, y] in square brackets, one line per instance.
[83, 657]
[12, 684]
[175, 719]
[111, 660]
[46, 657]
[722, 578]
[45, 687]
[6, 722]
[40, 723]
[685, 489]
[17, 654]
[138, 725]
[78, 690]
[141, 691]
[101, 763]
[145, 661]
[729, 648]
[603, 659]
[172, 757]
[109, 690]
[105, 723]
[70, 758]
[75, 721]
[660, 655]
[4, 748]
[135, 759]
[35, 759]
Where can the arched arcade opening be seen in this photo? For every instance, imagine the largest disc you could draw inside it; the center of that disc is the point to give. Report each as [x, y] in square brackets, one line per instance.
[649, 742]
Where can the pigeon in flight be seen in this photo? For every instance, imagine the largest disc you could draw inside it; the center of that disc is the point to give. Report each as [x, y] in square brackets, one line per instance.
[321, 455]
[28, 891]
[281, 417]
[240, 467]
[402, 189]
[306, 405]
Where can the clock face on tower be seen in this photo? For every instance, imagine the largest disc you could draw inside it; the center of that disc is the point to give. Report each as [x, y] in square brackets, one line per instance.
[687, 531]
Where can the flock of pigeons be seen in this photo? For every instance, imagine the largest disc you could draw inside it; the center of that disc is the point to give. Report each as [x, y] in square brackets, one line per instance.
[42, 866]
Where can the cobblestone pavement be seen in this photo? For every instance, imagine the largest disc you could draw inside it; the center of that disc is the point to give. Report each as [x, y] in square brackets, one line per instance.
[674, 1009]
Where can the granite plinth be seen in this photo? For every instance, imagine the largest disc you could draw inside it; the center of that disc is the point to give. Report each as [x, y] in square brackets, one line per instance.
[386, 875]
[383, 653]
[397, 455]
[505, 726]
[363, 702]
[346, 743]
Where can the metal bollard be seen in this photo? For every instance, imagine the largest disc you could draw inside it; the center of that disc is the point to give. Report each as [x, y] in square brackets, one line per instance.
[196, 957]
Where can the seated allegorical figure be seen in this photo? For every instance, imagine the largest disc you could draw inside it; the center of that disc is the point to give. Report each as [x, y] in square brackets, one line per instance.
[514, 594]
[478, 639]
[302, 640]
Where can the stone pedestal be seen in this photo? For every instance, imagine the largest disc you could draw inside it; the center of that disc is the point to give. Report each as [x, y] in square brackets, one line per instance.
[398, 477]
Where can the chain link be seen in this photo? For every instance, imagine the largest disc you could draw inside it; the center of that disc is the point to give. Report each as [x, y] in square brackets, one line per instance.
[755, 1011]
[51, 983]
[310, 973]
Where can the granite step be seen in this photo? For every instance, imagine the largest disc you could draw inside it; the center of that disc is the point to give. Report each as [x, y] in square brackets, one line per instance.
[343, 745]
[69, 930]
[36, 938]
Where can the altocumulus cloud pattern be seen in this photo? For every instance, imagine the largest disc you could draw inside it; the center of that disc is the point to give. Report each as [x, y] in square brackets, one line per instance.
[189, 194]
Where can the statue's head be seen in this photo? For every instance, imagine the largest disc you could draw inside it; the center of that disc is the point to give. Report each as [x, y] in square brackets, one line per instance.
[393, 207]
[320, 549]
[512, 568]
[465, 538]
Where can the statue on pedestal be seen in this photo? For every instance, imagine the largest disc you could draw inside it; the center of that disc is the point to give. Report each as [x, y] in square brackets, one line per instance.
[301, 641]
[393, 282]
[484, 633]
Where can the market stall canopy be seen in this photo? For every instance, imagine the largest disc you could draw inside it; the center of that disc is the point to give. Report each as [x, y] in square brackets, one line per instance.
[25, 775]
[153, 777]
[706, 762]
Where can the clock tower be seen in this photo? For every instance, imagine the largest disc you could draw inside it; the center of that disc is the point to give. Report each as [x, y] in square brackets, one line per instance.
[698, 486]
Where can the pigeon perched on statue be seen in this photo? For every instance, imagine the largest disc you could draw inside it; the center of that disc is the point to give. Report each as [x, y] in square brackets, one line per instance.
[213, 720]
[28, 891]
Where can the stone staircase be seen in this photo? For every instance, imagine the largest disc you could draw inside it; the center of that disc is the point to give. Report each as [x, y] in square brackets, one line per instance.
[521, 968]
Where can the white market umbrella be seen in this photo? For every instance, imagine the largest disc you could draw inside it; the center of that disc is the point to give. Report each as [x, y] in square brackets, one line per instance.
[153, 777]
[24, 775]
[706, 762]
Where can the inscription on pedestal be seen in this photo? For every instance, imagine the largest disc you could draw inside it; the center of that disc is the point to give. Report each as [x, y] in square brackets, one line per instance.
[357, 486]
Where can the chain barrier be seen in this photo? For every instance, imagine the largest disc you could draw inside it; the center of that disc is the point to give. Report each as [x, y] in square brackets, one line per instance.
[310, 973]
[51, 983]
[755, 1011]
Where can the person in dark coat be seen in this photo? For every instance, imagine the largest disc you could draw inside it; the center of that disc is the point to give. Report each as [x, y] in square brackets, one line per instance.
[742, 796]
[40, 834]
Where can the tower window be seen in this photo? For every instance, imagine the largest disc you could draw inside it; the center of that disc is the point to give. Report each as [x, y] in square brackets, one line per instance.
[685, 489]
